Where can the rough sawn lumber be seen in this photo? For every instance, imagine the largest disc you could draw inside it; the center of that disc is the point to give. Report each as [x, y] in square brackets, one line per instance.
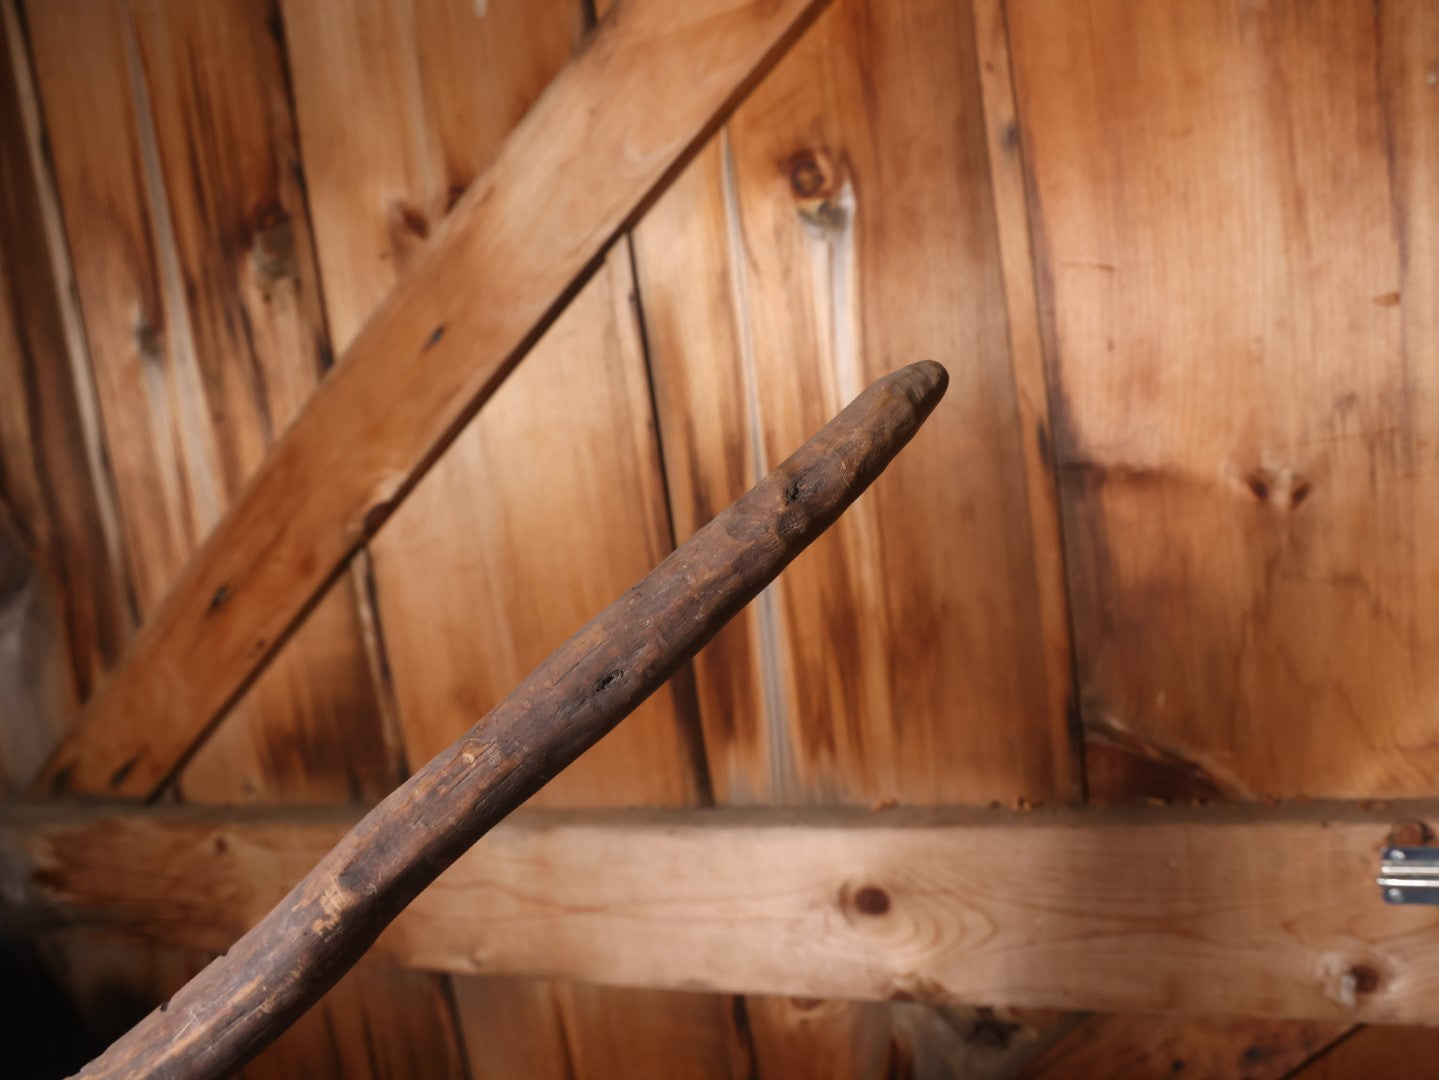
[244, 999]
[654, 80]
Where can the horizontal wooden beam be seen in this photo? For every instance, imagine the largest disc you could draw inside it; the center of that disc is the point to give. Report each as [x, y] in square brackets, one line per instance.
[1258, 911]
[654, 80]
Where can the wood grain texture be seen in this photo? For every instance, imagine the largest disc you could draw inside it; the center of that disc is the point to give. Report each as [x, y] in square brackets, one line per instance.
[1233, 209]
[1219, 1048]
[93, 131]
[63, 616]
[377, 1022]
[521, 238]
[546, 505]
[196, 386]
[439, 86]
[539, 1029]
[287, 960]
[242, 343]
[1159, 910]
[1377, 1051]
[843, 219]
[1009, 185]
[877, 1040]
[488, 540]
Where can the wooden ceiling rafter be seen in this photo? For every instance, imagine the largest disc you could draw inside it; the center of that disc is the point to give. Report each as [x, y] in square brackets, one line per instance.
[524, 237]
[1156, 910]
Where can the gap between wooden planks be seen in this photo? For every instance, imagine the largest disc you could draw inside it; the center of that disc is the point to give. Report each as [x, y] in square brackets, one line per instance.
[1246, 911]
[616, 122]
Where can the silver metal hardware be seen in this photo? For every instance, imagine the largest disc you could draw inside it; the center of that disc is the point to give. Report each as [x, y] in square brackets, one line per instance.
[1409, 875]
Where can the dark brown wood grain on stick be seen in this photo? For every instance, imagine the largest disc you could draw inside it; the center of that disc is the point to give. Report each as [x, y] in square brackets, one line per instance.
[648, 87]
[243, 1000]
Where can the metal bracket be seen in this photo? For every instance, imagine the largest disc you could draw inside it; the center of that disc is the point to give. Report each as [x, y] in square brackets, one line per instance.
[1409, 875]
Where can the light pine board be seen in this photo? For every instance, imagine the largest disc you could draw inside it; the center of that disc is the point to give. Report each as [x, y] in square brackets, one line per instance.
[1233, 214]
[174, 156]
[548, 504]
[841, 224]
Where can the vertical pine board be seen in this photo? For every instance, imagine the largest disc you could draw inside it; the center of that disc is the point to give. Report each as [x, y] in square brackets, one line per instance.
[804, 1037]
[1229, 200]
[547, 508]
[549, 504]
[54, 495]
[1376, 1051]
[377, 1023]
[176, 166]
[1144, 1047]
[174, 157]
[83, 78]
[63, 616]
[114, 984]
[438, 85]
[531, 1029]
[1026, 350]
[38, 691]
[1196, 229]
[840, 226]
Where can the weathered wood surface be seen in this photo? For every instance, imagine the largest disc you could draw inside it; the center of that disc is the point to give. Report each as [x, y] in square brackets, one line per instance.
[548, 503]
[1232, 210]
[296, 952]
[1377, 1051]
[1157, 910]
[379, 1021]
[544, 1029]
[1146, 1047]
[197, 284]
[843, 219]
[521, 238]
[1235, 224]
[63, 611]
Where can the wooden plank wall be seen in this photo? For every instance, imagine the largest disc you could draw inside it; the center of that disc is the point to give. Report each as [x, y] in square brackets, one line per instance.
[1231, 208]
[174, 158]
[1165, 539]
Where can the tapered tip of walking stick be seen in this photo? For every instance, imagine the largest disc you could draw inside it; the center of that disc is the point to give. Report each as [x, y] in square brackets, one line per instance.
[924, 383]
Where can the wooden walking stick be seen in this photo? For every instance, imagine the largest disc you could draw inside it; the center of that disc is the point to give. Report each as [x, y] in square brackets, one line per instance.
[247, 997]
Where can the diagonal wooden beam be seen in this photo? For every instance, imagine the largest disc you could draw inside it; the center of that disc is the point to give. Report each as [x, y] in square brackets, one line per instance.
[654, 81]
[1262, 911]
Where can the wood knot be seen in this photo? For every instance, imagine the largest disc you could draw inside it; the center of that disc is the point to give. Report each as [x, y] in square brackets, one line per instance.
[272, 245]
[149, 340]
[818, 183]
[1346, 980]
[408, 228]
[871, 900]
[808, 175]
[1282, 488]
[1365, 978]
